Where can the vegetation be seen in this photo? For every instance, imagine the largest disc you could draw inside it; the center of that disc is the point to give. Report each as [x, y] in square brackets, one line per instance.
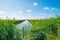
[44, 29]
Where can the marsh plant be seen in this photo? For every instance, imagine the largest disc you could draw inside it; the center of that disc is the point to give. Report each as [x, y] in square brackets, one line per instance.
[44, 29]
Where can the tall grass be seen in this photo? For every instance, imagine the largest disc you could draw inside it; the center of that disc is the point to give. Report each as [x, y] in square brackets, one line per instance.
[45, 29]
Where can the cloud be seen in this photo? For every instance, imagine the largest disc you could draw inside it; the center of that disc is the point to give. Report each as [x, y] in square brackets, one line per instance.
[17, 16]
[28, 11]
[46, 8]
[20, 12]
[54, 8]
[36, 17]
[35, 3]
[11, 15]
[2, 14]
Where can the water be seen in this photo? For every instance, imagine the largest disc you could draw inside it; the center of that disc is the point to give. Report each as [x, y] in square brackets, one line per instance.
[25, 24]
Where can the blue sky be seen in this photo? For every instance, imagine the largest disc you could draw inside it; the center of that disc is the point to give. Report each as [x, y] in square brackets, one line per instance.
[29, 9]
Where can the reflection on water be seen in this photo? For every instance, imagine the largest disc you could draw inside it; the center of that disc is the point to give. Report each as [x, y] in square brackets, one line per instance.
[25, 24]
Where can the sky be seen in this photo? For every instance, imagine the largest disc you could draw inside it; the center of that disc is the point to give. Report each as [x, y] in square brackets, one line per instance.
[29, 9]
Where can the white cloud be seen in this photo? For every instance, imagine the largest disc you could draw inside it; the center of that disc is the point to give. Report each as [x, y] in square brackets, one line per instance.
[35, 3]
[15, 15]
[11, 15]
[52, 8]
[20, 12]
[36, 17]
[2, 12]
[46, 8]
[28, 11]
